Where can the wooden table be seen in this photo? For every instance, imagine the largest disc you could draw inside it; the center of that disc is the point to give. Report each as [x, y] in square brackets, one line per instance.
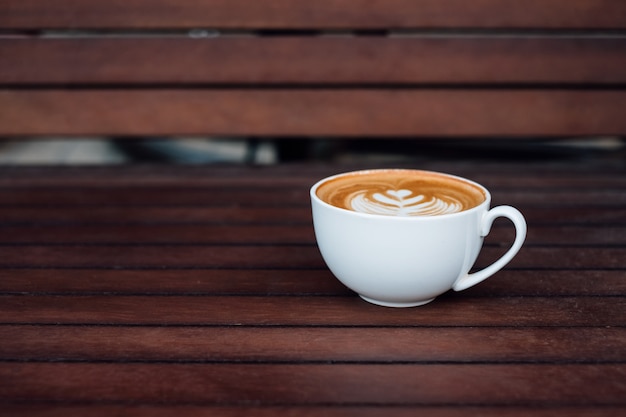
[156, 290]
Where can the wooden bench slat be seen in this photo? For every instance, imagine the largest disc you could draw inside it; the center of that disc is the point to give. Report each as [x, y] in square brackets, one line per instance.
[606, 235]
[322, 14]
[317, 60]
[495, 174]
[207, 215]
[338, 384]
[272, 197]
[510, 177]
[288, 256]
[493, 345]
[106, 410]
[448, 310]
[600, 172]
[355, 113]
[270, 282]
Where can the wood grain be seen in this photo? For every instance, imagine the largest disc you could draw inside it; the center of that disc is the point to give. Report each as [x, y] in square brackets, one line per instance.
[166, 290]
[310, 344]
[590, 215]
[314, 60]
[197, 234]
[268, 196]
[297, 282]
[335, 384]
[305, 410]
[323, 14]
[554, 173]
[284, 256]
[239, 310]
[163, 292]
[320, 112]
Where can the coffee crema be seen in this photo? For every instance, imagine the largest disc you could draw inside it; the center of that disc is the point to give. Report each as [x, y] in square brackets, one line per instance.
[400, 192]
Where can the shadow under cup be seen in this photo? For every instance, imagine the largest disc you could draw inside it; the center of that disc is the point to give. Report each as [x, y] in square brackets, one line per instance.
[400, 238]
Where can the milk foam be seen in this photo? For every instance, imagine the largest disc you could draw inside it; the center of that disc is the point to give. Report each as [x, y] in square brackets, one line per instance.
[402, 203]
[400, 193]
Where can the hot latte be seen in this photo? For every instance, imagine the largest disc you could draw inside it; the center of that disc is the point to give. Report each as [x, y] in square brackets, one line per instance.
[398, 192]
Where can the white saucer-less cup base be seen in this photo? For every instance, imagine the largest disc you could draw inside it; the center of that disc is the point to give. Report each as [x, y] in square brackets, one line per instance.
[401, 305]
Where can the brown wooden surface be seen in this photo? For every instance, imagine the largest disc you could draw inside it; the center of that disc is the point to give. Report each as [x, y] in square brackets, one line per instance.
[314, 60]
[316, 112]
[353, 411]
[327, 14]
[282, 68]
[217, 301]
[164, 290]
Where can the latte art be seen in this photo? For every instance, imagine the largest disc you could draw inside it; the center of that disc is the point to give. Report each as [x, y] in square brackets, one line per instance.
[402, 203]
[400, 193]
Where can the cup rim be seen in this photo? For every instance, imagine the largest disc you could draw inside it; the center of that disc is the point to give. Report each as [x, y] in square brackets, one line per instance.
[315, 197]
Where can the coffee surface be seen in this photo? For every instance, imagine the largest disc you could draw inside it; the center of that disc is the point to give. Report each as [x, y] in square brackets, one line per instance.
[400, 193]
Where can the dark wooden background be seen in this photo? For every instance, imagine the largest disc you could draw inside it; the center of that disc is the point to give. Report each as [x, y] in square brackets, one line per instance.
[152, 290]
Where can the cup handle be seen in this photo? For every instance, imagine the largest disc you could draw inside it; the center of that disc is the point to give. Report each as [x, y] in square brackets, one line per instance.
[519, 222]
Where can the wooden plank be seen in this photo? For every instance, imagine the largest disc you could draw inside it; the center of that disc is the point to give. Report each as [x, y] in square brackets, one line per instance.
[294, 215]
[558, 173]
[315, 60]
[81, 182]
[112, 214]
[449, 310]
[272, 234]
[292, 112]
[336, 384]
[289, 256]
[99, 410]
[322, 14]
[153, 234]
[268, 196]
[285, 345]
[511, 175]
[286, 282]
[170, 282]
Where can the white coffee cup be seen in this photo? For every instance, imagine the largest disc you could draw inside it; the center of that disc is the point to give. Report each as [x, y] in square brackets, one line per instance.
[406, 261]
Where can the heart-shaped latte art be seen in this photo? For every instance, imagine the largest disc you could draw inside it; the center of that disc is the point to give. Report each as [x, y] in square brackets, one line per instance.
[399, 194]
[399, 198]
[401, 202]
